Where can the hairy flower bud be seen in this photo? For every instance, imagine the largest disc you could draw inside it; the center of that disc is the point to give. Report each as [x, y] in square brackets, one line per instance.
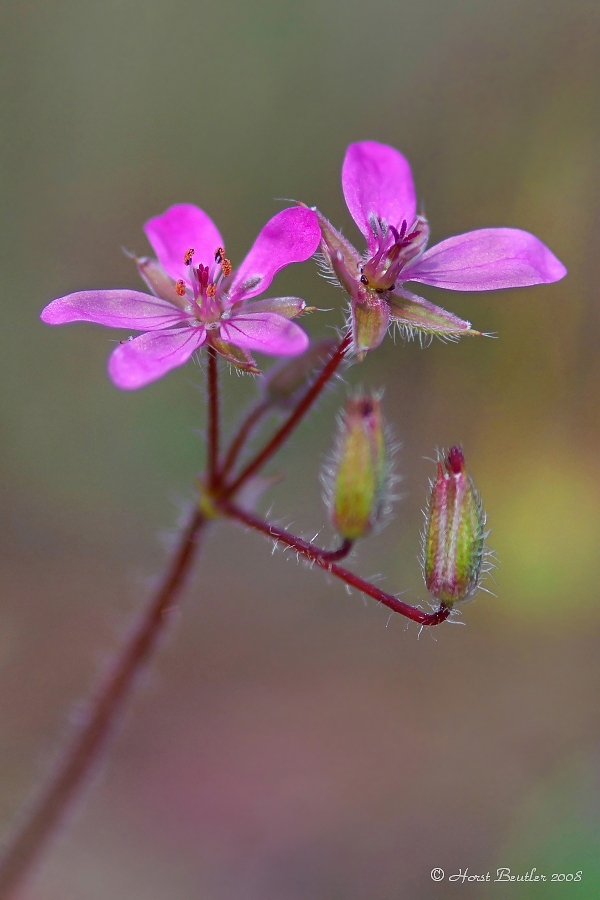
[282, 383]
[357, 481]
[453, 546]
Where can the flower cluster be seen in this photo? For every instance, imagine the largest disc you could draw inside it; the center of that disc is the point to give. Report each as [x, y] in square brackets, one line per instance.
[198, 299]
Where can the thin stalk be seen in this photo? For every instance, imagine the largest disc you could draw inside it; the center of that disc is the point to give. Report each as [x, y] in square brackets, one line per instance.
[293, 419]
[342, 551]
[79, 757]
[245, 429]
[213, 417]
[314, 555]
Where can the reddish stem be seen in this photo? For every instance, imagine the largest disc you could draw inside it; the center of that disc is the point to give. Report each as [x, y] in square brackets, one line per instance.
[342, 551]
[213, 418]
[293, 420]
[253, 417]
[76, 764]
[316, 556]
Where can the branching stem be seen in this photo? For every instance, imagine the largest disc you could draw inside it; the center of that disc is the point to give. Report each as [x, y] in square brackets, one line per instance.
[293, 419]
[247, 426]
[316, 556]
[49, 809]
[341, 553]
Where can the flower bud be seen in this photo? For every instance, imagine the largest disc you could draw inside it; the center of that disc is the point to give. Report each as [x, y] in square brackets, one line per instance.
[283, 382]
[453, 545]
[357, 481]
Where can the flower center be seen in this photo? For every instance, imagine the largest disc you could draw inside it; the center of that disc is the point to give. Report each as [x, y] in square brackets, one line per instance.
[396, 248]
[207, 285]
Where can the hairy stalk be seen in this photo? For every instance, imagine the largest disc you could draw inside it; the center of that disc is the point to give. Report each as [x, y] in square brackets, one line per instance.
[49, 809]
[341, 553]
[79, 757]
[316, 556]
[293, 419]
[247, 426]
[213, 418]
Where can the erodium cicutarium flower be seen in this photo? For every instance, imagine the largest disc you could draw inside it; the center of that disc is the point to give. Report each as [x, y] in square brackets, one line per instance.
[379, 191]
[197, 298]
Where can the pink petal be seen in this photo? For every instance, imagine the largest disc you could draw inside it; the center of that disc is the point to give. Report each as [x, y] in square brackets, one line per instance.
[141, 360]
[266, 332]
[117, 309]
[487, 260]
[181, 228]
[291, 236]
[377, 183]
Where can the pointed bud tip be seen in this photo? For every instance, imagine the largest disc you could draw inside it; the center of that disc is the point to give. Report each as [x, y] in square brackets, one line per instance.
[456, 460]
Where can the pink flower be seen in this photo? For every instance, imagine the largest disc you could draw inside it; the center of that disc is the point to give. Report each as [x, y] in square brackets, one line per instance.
[197, 299]
[379, 191]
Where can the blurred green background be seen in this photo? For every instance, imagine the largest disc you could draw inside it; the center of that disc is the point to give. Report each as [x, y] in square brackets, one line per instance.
[288, 745]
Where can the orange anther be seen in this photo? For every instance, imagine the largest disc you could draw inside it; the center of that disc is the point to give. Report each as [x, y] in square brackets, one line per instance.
[180, 288]
[226, 268]
[188, 256]
[219, 254]
[211, 290]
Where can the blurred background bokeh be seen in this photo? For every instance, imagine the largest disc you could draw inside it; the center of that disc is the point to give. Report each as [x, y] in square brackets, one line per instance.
[290, 742]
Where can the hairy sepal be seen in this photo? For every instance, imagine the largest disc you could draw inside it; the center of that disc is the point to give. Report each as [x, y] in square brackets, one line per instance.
[236, 356]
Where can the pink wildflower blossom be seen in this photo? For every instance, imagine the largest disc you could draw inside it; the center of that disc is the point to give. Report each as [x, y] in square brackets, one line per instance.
[197, 298]
[379, 192]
